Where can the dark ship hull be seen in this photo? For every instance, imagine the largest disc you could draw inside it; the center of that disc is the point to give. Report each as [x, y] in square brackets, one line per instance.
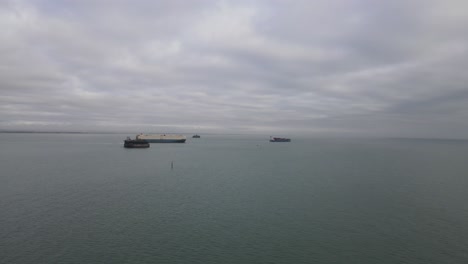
[136, 143]
[277, 139]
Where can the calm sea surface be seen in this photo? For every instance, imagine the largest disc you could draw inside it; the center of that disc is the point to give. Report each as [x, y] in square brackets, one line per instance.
[232, 199]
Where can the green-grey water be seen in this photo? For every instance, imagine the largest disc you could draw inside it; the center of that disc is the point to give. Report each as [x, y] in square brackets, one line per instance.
[83, 198]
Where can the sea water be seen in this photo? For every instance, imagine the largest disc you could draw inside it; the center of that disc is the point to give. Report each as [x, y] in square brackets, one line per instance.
[83, 198]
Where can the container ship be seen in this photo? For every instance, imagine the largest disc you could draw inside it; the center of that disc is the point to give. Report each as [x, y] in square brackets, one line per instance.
[162, 138]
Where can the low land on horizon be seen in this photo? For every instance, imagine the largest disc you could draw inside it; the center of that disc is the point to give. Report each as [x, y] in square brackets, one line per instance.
[316, 136]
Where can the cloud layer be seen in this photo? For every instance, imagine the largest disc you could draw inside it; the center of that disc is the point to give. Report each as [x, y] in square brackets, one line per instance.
[341, 67]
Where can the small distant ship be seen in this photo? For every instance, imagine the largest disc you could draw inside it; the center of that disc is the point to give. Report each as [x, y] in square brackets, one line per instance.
[136, 143]
[162, 138]
[196, 136]
[278, 139]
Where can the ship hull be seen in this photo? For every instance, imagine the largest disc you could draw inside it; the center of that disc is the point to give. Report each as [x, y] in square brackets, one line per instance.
[162, 138]
[136, 144]
[276, 139]
[166, 140]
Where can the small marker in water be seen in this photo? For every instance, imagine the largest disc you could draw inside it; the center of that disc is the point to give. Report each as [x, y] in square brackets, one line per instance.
[172, 165]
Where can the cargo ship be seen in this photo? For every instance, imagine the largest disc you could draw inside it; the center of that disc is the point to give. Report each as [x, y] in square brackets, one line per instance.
[162, 138]
[136, 143]
[278, 139]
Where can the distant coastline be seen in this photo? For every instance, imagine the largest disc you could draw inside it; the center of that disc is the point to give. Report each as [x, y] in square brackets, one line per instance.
[235, 134]
[49, 132]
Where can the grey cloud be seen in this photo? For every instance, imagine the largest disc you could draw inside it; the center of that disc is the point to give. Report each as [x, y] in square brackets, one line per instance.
[304, 67]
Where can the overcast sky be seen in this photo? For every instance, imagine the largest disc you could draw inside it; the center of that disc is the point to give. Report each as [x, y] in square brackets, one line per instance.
[321, 67]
